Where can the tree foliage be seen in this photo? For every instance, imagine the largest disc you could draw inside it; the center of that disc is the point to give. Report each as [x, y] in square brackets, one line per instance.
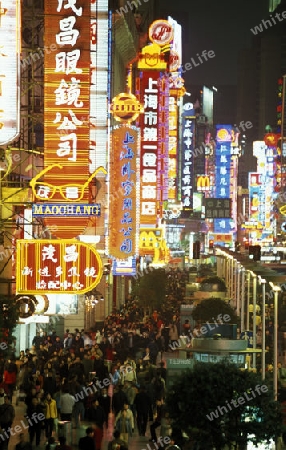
[204, 403]
[9, 315]
[150, 289]
[210, 308]
[215, 280]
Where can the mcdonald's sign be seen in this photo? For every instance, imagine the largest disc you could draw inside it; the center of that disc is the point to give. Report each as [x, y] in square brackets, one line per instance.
[203, 183]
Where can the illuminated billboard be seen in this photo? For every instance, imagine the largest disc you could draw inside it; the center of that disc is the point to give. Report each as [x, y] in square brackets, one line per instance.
[10, 39]
[188, 145]
[149, 164]
[67, 106]
[123, 207]
[100, 51]
[223, 174]
[53, 266]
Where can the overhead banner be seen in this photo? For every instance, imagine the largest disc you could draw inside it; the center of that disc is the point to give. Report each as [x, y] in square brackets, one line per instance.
[10, 39]
[54, 266]
[124, 192]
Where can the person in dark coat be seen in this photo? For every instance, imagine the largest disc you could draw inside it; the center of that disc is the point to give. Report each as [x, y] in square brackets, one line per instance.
[143, 408]
[87, 442]
[104, 402]
[35, 425]
[97, 413]
[119, 398]
[50, 384]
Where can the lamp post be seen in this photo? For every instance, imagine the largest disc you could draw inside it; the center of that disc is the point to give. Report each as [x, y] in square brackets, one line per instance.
[262, 281]
[276, 289]
[238, 289]
[254, 281]
[248, 297]
[242, 323]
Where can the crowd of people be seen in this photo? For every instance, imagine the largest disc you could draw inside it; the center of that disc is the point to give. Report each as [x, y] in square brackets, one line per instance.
[87, 376]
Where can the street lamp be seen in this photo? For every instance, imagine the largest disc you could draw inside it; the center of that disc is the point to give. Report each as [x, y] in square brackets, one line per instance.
[262, 282]
[254, 280]
[276, 289]
[92, 297]
[242, 322]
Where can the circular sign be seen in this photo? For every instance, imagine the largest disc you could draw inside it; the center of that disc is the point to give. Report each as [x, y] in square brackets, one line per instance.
[174, 61]
[125, 107]
[26, 305]
[161, 32]
[42, 305]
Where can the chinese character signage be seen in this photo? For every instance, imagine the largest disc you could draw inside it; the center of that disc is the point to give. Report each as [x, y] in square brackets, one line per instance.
[10, 39]
[67, 106]
[54, 266]
[149, 163]
[217, 208]
[188, 143]
[100, 53]
[164, 166]
[123, 208]
[223, 172]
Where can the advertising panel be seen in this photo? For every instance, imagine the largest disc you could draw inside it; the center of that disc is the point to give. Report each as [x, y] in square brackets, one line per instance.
[188, 145]
[67, 105]
[54, 266]
[223, 174]
[10, 39]
[123, 208]
[149, 161]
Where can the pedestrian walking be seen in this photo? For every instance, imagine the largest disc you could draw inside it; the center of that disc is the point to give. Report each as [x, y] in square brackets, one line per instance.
[67, 403]
[124, 423]
[51, 414]
[143, 407]
[157, 421]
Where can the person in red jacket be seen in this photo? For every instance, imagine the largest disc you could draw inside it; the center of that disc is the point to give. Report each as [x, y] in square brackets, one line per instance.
[10, 376]
[97, 435]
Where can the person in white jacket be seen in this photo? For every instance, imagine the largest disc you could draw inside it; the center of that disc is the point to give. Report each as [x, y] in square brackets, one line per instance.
[67, 403]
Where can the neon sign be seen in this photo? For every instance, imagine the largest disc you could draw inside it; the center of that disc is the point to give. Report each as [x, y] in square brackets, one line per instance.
[10, 18]
[54, 266]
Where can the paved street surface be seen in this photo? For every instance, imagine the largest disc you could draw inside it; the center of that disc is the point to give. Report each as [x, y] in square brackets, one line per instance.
[136, 442]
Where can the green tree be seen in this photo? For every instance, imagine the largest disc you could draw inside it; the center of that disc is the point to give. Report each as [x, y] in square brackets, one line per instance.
[150, 288]
[214, 280]
[9, 315]
[210, 308]
[220, 406]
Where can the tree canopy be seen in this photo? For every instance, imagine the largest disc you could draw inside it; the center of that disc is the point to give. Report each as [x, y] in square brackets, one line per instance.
[150, 288]
[9, 315]
[211, 308]
[214, 280]
[220, 406]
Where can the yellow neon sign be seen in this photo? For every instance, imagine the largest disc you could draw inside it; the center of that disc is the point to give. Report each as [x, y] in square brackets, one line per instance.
[69, 192]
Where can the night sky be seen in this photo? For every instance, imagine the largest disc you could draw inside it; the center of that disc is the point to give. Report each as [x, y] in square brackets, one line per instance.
[219, 25]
